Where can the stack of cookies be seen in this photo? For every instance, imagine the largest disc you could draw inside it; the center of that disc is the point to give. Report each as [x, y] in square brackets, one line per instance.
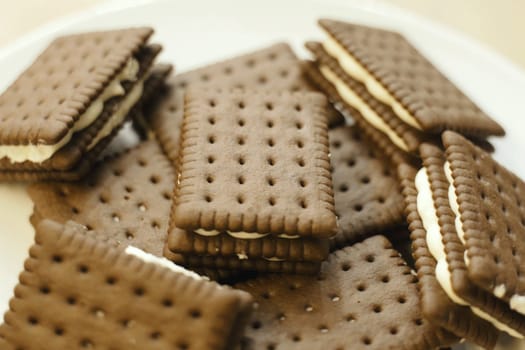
[63, 111]
[346, 202]
[391, 90]
[253, 182]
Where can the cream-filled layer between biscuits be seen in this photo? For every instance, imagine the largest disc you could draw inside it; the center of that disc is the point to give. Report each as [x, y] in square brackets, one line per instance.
[152, 259]
[350, 97]
[38, 153]
[120, 114]
[427, 212]
[517, 302]
[354, 69]
[241, 234]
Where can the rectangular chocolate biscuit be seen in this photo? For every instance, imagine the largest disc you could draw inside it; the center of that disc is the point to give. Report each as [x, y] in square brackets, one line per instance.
[74, 95]
[97, 295]
[436, 305]
[245, 157]
[436, 206]
[398, 75]
[87, 160]
[240, 152]
[488, 210]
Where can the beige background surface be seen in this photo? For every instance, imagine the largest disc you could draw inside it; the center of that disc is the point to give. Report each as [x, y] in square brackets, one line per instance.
[498, 23]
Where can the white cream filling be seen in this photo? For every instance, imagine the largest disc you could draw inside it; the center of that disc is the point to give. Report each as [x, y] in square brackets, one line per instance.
[208, 233]
[120, 114]
[354, 69]
[427, 212]
[350, 97]
[241, 234]
[273, 258]
[517, 302]
[246, 235]
[289, 236]
[500, 290]
[152, 259]
[37, 153]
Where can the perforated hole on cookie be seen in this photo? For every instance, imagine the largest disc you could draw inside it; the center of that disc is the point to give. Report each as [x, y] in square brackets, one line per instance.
[87, 343]
[336, 144]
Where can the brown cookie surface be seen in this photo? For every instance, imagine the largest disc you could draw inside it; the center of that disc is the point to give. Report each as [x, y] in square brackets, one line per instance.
[255, 162]
[364, 298]
[128, 196]
[367, 193]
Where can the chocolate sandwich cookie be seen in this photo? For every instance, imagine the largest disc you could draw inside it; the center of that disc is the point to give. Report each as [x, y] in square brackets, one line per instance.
[444, 222]
[367, 193]
[70, 101]
[397, 74]
[254, 170]
[486, 201]
[369, 110]
[98, 295]
[436, 305]
[364, 298]
[395, 154]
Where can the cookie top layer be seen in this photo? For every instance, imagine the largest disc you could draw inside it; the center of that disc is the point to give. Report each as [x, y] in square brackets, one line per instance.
[127, 196]
[44, 103]
[491, 202]
[367, 194]
[429, 97]
[366, 296]
[101, 296]
[255, 162]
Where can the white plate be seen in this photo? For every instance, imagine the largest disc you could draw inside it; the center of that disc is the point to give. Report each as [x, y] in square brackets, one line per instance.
[198, 32]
